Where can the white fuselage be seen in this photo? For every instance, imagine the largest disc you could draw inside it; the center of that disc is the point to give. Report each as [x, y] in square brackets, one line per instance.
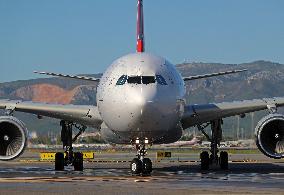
[141, 96]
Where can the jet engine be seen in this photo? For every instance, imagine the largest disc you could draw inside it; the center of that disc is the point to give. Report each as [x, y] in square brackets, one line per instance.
[270, 135]
[13, 137]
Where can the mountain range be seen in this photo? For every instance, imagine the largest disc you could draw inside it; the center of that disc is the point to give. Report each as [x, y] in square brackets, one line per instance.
[262, 79]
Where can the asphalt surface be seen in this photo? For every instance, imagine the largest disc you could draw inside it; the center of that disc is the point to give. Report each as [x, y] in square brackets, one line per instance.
[109, 174]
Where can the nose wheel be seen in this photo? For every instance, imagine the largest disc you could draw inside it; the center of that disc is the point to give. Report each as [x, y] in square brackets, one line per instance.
[141, 165]
[147, 166]
[136, 166]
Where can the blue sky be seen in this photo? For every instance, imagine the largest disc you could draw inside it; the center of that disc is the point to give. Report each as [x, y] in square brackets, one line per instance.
[75, 37]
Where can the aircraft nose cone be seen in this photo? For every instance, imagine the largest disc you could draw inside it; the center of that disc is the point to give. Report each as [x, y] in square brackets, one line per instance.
[143, 112]
[147, 101]
[142, 98]
[149, 114]
[144, 101]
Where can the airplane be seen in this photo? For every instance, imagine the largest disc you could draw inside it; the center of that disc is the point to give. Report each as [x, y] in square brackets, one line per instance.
[140, 102]
[192, 142]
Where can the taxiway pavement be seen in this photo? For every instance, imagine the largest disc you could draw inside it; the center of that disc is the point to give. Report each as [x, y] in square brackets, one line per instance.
[247, 174]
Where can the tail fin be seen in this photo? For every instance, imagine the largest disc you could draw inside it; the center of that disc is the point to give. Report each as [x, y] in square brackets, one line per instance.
[140, 27]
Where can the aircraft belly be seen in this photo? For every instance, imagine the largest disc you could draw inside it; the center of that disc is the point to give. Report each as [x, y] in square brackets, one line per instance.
[155, 122]
[151, 117]
[156, 137]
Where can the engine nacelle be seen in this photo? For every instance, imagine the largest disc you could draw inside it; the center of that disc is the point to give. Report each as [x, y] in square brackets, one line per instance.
[270, 135]
[13, 137]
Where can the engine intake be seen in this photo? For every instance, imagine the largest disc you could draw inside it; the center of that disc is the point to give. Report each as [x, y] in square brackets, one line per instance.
[13, 137]
[270, 135]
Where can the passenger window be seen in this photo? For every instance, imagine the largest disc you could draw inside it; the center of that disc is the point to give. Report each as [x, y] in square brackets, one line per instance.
[121, 80]
[148, 79]
[161, 80]
[134, 80]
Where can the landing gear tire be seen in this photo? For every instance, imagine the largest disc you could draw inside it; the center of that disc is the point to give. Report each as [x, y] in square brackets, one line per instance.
[136, 166]
[59, 161]
[211, 159]
[147, 166]
[71, 158]
[223, 160]
[215, 139]
[205, 161]
[78, 161]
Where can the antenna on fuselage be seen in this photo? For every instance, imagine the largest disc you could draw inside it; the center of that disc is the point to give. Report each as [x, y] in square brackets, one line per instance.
[140, 27]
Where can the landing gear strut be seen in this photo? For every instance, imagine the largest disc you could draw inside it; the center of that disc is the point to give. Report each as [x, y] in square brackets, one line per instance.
[70, 158]
[216, 137]
[141, 165]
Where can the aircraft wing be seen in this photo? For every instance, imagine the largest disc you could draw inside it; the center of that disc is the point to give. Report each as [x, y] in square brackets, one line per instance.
[68, 76]
[85, 115]
[198, 114]
[212, 75]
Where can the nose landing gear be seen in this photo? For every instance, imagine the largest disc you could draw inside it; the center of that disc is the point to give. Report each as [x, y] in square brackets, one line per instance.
[141, 165]
[213, 159]
[69, 157]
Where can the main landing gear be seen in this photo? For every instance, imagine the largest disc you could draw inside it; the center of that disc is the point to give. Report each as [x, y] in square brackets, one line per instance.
[213, 158]
[141, 165]
[70, 158]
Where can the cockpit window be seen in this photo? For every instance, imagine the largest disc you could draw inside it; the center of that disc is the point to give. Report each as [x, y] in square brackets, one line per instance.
[141, 79]
[148, 79]
[160, 79]
[134, 80]
[121, 80]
